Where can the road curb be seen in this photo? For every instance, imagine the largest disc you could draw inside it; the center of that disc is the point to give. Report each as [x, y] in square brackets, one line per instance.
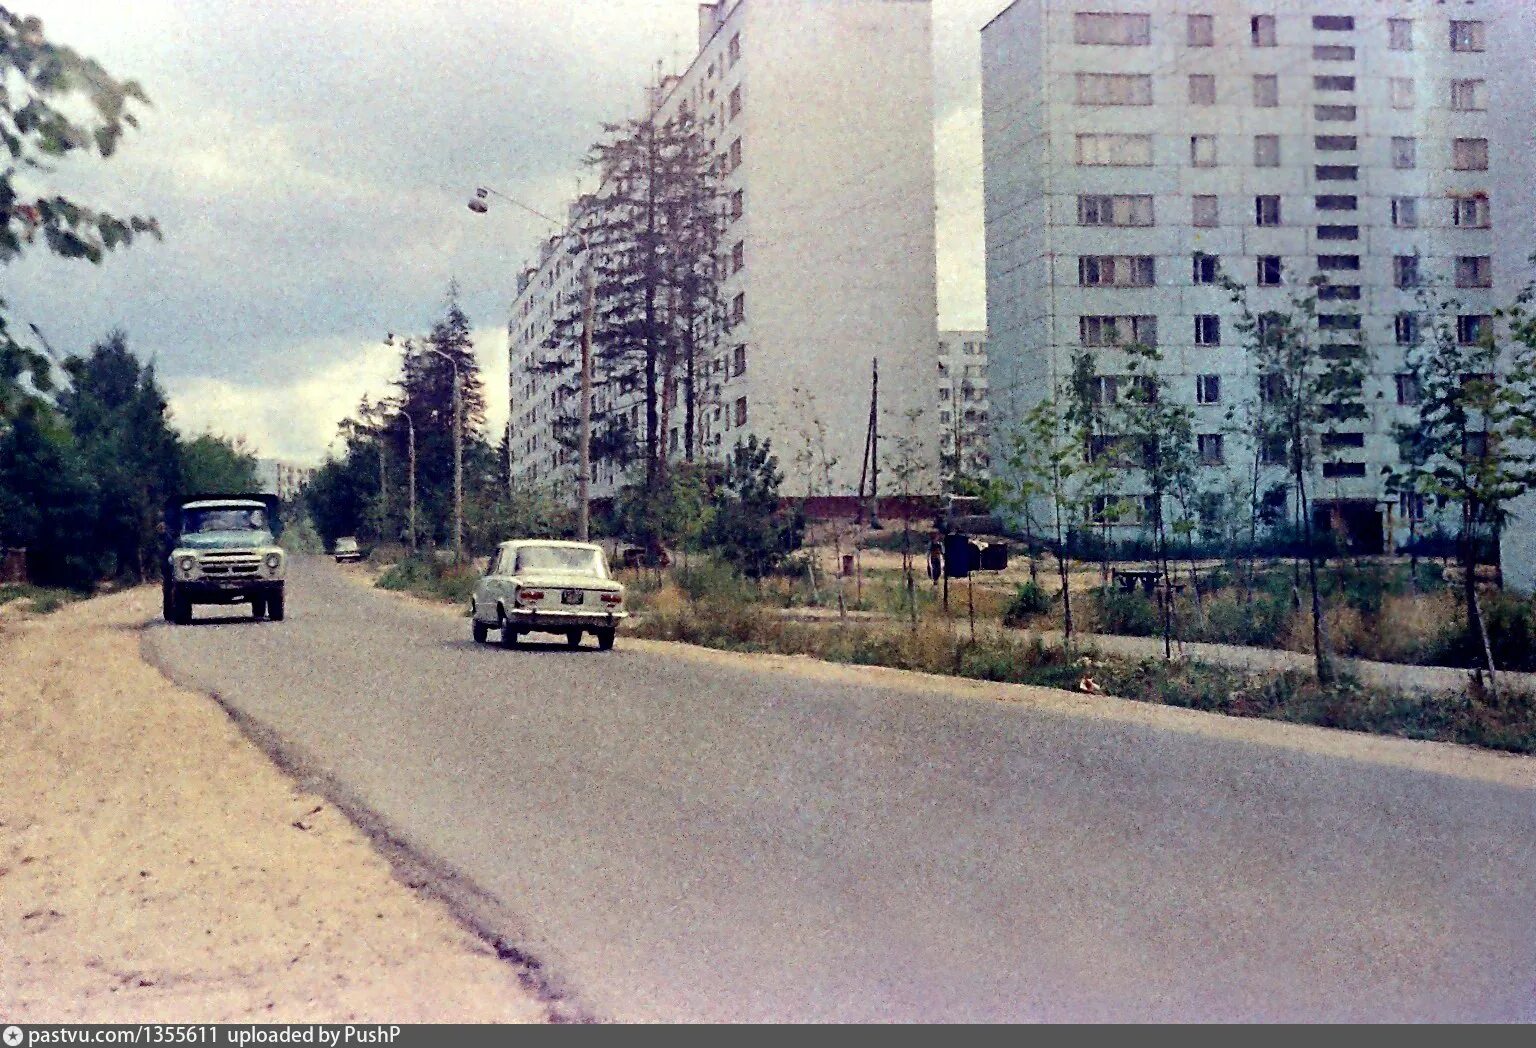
[476, 910]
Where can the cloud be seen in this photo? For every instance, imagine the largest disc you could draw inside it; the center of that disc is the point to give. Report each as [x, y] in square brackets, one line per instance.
[294, 416]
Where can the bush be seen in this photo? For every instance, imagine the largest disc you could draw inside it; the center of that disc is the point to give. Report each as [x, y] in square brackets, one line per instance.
[424, 575]
[1133, 614]
[41, 600]
[1029, 601]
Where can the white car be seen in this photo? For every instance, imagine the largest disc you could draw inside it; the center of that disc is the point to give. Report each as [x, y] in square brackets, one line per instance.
[347, 549]
[543, 586]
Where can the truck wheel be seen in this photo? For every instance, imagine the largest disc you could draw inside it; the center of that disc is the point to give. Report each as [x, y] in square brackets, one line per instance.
[275, 607]
[573, 639]
[605, 639]
[258, 607]
[181, 610]
[167, 604]
[479, 629]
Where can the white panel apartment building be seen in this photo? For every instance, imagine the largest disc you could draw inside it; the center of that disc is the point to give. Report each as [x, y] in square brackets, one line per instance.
[1134, 146]
[822, 111]
[963, 412]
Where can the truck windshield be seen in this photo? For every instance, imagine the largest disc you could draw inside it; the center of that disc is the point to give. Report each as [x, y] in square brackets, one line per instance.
[571, 560]
[233, 518]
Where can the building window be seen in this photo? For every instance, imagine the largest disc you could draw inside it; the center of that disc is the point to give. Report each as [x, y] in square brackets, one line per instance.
[1339, 470]
[1402, 92]
[735, 156]
[1207, 268]
[1336, 173]
[1470, 212]
[1338, 293]
[1338, 232]
[1202, 89]
[1335, 143]
[1207, 329]
[1338, 322]
[1333, 83]
[1469, 95]
[1400, 34]
[1405, 330]
[1405, 212]
[738, 203]
[739, 309]
[1410, 506]
[1261, 28]
[1212, 449]
[1333, 23]
[1114, 150]
[1405, 153]
[739, 360]
[1474, 271]
[1202, 150]
[1472, 328]
[1330, 202]
[1407, 388]
[1133, 30]
[1405, 271]
[1104, 390]
[1266, 91]
[1350, 263]
[1114, 89]
[1467, 36]
[1270, 271]
[735, 104]
[1117, 331]
[1333, 53]
[1469, 154]
[741, 411]
[1333, 113]
[733, 51]
[1266, 150]
[1266, 210]
[1205, 211]
[1116, 210]
[1208, 389]
[1116, 271]
[1200, 31]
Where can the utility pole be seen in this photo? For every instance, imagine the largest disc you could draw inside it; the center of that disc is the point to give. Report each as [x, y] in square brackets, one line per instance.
[584, 446]
[874, 445]
[458, 465]
[410, 480]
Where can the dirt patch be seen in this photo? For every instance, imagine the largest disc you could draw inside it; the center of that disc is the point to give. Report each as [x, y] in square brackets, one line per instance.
[155, 864]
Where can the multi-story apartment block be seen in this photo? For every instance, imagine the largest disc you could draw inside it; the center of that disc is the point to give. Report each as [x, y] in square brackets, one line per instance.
[286, 480]
[1138, 152]
[963, 433]
[820, 114]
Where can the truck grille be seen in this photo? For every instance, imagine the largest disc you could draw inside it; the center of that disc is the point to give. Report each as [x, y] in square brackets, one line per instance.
[231, 565]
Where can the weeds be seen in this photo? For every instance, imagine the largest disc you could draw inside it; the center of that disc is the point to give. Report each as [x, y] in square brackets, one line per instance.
[424, 575]
[40, 600]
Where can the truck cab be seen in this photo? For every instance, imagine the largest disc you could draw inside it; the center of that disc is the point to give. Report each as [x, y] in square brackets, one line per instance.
[222, 549]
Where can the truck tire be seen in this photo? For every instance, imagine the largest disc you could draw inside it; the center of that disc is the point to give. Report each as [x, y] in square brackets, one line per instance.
[258, 607]
[275, 607]
[479, 629]
[167, 604]
[181, 609]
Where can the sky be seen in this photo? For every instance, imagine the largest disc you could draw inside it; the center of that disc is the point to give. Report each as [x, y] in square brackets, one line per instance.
[310, 162]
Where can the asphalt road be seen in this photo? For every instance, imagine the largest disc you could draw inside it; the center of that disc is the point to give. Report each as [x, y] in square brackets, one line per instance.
[691, 841]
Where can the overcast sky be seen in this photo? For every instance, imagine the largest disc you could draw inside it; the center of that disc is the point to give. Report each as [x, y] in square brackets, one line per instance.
[310, 160]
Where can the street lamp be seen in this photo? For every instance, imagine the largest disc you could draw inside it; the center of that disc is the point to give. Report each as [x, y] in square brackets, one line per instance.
[458, 451]
[410, 435]
[478, 205]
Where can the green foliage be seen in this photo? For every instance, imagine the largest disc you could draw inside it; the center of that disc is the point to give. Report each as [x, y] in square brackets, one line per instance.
[428, 575]
[40, 600]
[1029, 601]
[216, 464]
[49, 501]
[747, 526]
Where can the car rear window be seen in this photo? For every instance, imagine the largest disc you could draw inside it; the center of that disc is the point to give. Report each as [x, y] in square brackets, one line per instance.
[560, 558]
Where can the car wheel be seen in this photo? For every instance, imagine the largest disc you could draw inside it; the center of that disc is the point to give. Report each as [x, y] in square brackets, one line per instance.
[479, 630]
[508, 634]
[605, 639]
[573, 639]
[275, 608]
[258, 607]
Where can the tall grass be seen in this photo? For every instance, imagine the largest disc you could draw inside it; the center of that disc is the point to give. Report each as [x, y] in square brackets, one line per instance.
[424, 575]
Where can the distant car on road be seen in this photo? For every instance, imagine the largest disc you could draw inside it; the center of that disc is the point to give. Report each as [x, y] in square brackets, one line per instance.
[543, 586]
[347, 549]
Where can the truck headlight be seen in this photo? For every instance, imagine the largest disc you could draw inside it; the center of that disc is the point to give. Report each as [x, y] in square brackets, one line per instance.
[273, 560]
[187, 564]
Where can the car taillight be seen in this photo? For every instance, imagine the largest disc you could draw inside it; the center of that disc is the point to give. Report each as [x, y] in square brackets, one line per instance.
[612, 598]
[529, 595]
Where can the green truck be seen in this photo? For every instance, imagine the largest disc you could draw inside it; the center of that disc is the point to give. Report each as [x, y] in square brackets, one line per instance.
[222, 549]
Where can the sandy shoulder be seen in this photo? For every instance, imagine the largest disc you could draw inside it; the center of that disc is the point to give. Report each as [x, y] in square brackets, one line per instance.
[154, 865]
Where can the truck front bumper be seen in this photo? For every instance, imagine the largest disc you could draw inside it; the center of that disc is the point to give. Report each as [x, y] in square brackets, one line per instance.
[227, 591]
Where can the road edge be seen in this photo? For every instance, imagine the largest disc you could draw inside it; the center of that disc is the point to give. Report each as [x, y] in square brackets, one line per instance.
[475, 909]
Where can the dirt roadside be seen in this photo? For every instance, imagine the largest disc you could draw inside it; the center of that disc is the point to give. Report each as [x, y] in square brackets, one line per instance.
[155, 865]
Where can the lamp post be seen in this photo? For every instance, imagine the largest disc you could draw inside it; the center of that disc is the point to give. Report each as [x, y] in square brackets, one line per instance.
[410, 479]
[458, 453]
[478, 205]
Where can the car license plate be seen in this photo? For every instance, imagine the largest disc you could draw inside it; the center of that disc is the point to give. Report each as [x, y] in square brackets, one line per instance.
[572, 596]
